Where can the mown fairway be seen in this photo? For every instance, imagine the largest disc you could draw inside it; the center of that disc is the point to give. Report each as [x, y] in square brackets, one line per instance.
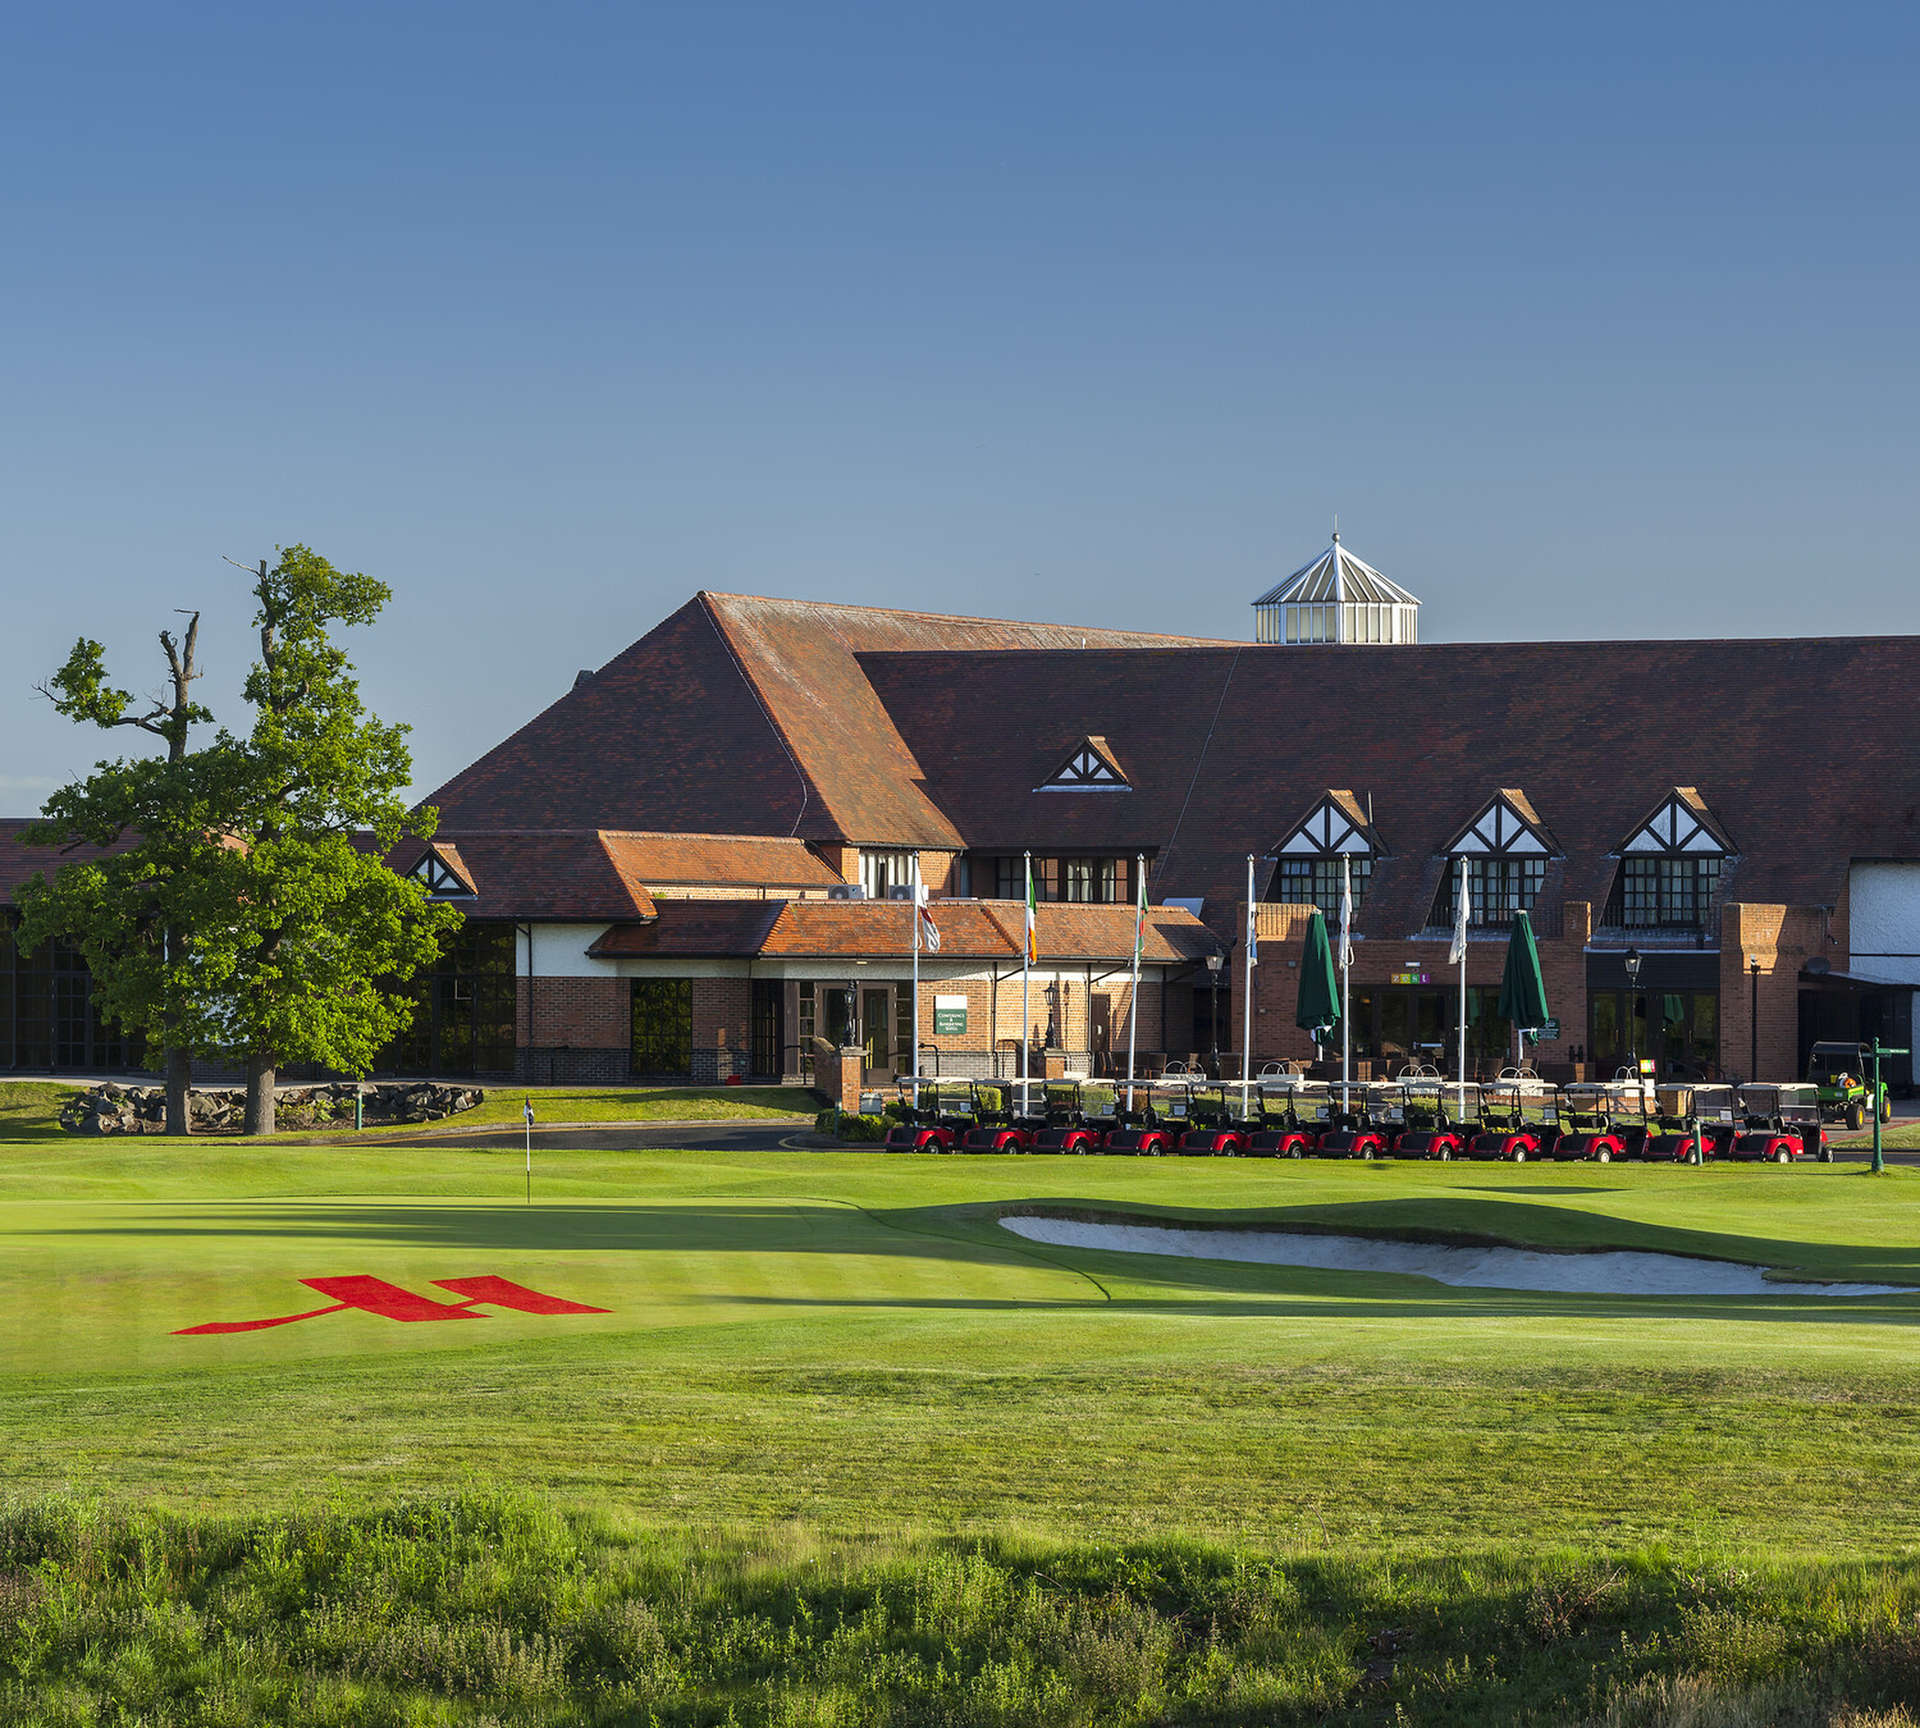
[849, 1340]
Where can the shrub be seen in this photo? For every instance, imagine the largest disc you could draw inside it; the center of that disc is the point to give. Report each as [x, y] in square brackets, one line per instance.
[861, 1128]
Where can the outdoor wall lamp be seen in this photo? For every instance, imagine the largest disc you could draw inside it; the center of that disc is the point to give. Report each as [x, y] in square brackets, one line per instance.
[1633, 992]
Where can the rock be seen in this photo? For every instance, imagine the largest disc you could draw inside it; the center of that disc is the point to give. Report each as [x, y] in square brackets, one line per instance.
[111, 1108]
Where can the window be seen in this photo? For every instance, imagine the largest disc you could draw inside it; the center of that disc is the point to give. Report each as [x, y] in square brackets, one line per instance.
[1667, 893]
[880, 871]
[1089, 768]
[1496, 888]
[1100, 880]
[1670, 868]
[768, 1025]
[1507, 848]
[902, 1026]
[663, 1026]
[1309, 871]
[1316, 882]
[807, 1021]
[464, 1008]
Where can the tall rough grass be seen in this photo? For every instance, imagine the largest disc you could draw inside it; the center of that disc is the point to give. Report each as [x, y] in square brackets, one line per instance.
[496, 1610]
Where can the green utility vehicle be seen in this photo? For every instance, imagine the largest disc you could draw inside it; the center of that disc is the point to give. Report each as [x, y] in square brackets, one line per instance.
[1841, 1072]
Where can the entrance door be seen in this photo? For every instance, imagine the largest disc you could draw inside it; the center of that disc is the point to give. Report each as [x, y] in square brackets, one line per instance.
[768, 1054]
[876, 1028]
[1100, 1032]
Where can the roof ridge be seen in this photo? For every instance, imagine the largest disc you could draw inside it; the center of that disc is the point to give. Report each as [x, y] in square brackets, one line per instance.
[712, 594]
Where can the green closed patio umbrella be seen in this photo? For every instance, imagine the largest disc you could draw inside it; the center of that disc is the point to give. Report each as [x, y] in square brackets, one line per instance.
[1318, 1011]
[1523, 993]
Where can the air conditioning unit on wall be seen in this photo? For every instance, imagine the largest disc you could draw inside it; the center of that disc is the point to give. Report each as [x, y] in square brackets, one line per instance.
[847, 891]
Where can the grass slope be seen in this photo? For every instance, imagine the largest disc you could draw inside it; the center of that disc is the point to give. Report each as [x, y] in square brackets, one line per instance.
[489, 1609]
[851, 1341]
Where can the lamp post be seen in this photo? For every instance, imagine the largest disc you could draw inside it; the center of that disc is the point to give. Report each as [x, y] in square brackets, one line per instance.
[1753, 1018]
[1873, 1098]
[1214, 963]
[1633, 1001]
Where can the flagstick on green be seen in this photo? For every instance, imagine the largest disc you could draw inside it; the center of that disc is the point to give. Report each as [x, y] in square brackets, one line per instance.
[529, 1151]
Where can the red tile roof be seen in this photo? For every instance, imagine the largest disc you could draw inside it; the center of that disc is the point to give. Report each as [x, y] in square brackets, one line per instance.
[740, 715]
[692, 929]
[866, 929]
[720, 860]
[560, 876]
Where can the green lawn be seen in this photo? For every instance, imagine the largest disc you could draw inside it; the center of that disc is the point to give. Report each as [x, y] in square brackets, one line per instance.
[809, 1355]
[850, 1339]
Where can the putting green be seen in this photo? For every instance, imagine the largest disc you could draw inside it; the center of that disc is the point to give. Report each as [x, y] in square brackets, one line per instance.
[852, 1338]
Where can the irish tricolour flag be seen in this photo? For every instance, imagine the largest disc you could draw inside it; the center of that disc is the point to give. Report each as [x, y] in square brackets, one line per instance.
[1033, 934]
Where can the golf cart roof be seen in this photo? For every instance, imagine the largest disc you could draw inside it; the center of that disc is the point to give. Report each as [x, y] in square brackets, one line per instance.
[1835, 1047]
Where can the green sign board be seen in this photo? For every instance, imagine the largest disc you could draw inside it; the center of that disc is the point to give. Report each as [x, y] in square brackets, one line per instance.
[949, 1016]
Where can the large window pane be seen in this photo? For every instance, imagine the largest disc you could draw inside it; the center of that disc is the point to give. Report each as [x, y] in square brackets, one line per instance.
[662, 1026]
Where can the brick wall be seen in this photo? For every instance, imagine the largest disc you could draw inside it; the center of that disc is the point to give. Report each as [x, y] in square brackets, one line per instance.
[1782, 939]
[1276, 983]
[721, 1014]
[581, 1013]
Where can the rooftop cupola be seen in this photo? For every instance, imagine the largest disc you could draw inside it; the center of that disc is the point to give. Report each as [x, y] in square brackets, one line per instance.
[1336, 598]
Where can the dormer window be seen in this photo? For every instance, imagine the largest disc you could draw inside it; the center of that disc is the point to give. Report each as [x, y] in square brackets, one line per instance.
[1507, 848]
[1089, 767]
[1670, 867]
[1309, 869]
[441, 871]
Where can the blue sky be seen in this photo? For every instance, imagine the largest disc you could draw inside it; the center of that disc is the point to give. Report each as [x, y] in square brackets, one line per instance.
[1591, 322]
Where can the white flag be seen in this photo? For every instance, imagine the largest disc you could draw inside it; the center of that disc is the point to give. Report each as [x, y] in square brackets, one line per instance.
[929, 931]
[1458, 951]
[1346, 911]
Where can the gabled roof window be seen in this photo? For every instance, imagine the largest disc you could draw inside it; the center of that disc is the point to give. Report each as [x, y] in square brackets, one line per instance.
[1507, 826]
[1670, 868]
[1090, 767]
[440, 869]
[1680, 824]
[1334, 825]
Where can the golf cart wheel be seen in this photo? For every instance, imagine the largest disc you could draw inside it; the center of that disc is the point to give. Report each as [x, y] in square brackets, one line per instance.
[1603, 1156]
[1519, 1154]
[1856, 1116]
[1445, 1154]
[1886, 1108]
[1693, 1153]
[1825, 1155]
[1294, 1151]
[1365, 1153]
[1780, 1155]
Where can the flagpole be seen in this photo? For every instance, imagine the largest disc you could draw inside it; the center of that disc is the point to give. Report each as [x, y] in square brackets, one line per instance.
[913, 1060]
[1139, 942]
[1026, 978]
[1464, 915]
[1246, 1006]
[1346, 963]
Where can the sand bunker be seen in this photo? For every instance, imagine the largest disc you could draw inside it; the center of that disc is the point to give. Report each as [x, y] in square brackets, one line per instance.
[1611, 1273]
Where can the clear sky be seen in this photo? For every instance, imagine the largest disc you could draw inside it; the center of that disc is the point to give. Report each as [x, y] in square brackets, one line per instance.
[1589, 321]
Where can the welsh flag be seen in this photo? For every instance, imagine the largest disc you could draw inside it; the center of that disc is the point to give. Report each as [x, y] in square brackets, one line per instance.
[1033, 933]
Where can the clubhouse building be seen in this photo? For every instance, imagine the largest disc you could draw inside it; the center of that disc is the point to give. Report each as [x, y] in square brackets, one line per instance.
[686, 867]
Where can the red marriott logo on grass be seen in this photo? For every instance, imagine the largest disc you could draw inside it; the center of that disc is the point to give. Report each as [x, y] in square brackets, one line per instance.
[390, 1302]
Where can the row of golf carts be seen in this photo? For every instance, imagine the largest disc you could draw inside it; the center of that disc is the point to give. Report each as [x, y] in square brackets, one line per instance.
[1421, 1114]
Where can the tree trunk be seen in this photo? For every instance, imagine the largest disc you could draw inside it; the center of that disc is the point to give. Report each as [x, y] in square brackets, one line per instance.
[179, 1089]
[260, 1080]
